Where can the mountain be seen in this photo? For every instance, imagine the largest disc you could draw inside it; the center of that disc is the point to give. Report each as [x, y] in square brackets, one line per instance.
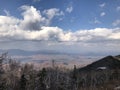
[109, 62]
[19, 52]
[118, 57]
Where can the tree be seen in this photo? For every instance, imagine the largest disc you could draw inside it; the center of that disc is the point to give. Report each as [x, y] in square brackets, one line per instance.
[3, 57]
[2, 84]
[23, 82]
[74, 78]
[41, 76]
[53, 64]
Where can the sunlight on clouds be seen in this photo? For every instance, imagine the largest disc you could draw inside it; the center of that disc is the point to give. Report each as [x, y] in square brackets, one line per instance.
[115, 35]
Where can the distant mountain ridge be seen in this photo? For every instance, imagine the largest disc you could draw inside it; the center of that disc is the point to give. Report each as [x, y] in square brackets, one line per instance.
[109, 62]
[28, 53]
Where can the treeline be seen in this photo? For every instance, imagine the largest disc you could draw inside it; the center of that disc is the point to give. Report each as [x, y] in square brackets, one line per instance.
[17, 76]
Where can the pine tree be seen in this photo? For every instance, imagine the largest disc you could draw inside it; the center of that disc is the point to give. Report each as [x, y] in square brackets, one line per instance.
[74, 75]
[74, 79]
[42, 75]
[2, 85]
[23, 82]
[2, 81]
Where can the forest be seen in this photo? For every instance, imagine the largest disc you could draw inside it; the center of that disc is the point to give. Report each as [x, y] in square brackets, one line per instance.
[17, 76]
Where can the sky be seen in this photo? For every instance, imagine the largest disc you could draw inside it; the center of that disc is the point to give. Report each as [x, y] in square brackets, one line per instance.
[72, 26]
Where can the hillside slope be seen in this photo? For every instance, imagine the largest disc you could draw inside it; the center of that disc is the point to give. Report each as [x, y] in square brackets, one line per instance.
[109, 62]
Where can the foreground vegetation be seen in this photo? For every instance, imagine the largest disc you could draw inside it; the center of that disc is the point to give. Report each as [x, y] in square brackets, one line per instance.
[17, 76]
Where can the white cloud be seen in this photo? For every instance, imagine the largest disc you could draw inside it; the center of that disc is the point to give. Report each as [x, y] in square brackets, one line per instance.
[32, 18]
[96, 21]
[93, 34]
[69, 9]
[8, 23]
[115, 35]
[6, 12]
[102, 14]
[50, 13]
[12, 28]
[34, 27]
[102, 5]
[36, 0]
[118, 8]
[116, 22]
[11, 32]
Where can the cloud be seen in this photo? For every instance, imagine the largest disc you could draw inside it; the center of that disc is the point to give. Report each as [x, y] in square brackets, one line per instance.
[102, 5]
[56, 33]
[118, 8]
[8, 23]
[69, 9]
[33, 31]
[116, 22]
[32, 28]
[51, 13]
[115, 35]
[6, 12]
[46, 33]
[32, 18]
[97, 34]
[102, 14]
[36, 0]
[96, 21]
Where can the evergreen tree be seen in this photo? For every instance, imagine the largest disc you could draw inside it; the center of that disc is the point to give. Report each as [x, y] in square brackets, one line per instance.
[74, 79]
[42, 75]
[74, 75]
[23, 82]
[2, 85]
